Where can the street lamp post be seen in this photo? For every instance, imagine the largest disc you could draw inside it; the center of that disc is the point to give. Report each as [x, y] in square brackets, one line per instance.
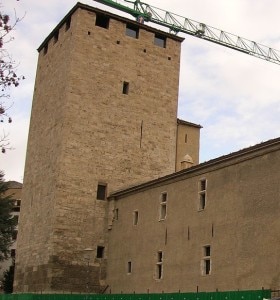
[87, 256]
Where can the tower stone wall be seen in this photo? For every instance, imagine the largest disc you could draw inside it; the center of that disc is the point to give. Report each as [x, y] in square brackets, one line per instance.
[104, 117]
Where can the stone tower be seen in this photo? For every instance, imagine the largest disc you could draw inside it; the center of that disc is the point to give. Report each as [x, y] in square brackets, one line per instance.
[104, 116]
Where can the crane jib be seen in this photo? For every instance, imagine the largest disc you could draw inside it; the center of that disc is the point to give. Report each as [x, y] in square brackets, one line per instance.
[176, 23]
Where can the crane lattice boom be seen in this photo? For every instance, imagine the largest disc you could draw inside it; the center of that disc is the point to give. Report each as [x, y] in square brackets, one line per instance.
[176, 23]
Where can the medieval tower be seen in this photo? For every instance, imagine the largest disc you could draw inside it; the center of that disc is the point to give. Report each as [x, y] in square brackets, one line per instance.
[104, 117]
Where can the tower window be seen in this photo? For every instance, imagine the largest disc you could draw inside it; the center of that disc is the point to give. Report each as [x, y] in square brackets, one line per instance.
[101, 191]
[163, 206]
[132, 31]
[135, 217]
[116, 214]
[186, 138]
[100, 252]
[160, 41]
[102, 21]
[55, 37]
[125, 87]
[68, 23]
[202, 194]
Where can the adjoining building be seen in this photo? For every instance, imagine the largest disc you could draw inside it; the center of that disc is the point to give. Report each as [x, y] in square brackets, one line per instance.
[15, 192]
[104, 119]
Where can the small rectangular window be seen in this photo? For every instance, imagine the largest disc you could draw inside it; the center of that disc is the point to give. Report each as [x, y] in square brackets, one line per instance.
[135, 217]
[125, 87]
[129, 267]
[132, 31]
[202, 194]
[206, 261]
[68, 24]
[55, 37]
[101, 191]
[100, 252]
[159, 265]
[13, 253]
[160, 40]
[163, 206]
[102, 21]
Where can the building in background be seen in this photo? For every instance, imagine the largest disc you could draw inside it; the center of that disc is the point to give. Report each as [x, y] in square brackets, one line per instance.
[14, 190]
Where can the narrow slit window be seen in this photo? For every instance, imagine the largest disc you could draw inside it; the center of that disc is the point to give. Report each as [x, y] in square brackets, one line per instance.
[46, 47]
[202, 194]
[163, 206]
[132, 31]
[129, 267]
[55, 37]
[160, 41]
[102, 21]
[125, 87]
[100, 252]
[101, 192]
[68, 24]
[159, 265]
[116, 214]
[135, 217]
[206, 261]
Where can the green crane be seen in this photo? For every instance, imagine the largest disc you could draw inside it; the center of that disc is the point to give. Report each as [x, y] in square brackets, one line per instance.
[144, 12]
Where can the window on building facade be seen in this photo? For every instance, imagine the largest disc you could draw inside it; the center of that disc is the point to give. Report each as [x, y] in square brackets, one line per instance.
[163, 206]
[135, 217]
[116, 214]
[125, 87]
[129, 267]
[202, 194]
[159, 265]
[68, 24]
[132, 31]
[101, 191]
[160, 40]
[206, 260]
[99, 252]
[55, 37]
[186, 138]
[102, 21]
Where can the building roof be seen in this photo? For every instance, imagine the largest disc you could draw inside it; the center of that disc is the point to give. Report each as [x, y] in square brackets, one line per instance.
[111, 15]
[216, 163]
[183, 122]
[14, 185]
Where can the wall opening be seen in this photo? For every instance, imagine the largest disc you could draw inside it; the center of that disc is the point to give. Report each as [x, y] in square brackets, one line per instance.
[159, 266]
[99, 252]
[101, 191]
[125, 87]
[135, 217]
[160, 40]
[132, 31]
[163, 206]
[129, 267]
[202, 194]
[102, 21]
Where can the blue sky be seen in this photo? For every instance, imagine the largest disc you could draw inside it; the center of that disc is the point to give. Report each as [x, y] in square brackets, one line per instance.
[235, 97]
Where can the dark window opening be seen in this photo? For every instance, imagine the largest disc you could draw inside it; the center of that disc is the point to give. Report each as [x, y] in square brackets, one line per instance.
[160, 41]
[15, 219]
[135, 217]
[202, 201]
[100, 252]
[186, 138]
[159, 272]
[46, 49]
[129, 267]
[55, 37]
[116, 214]
[159, 256]
[102, 21]
[207, 251]
[67, 24]
[132, 31]
[101, 192]
[125, 87]
[207, 266]
[203, 185]
[164, 197]
[13, 253]
[14, 235]
[16, 209]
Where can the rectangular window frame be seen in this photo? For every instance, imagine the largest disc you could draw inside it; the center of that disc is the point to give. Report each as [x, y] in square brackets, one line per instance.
[100, 252]
[102, 21]
[129, 267]
[160, 40]
[202, 194]
[101, 192]
[163, 206]
[159, 266]
[135, 217]
[132, 31]
[206, 263]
